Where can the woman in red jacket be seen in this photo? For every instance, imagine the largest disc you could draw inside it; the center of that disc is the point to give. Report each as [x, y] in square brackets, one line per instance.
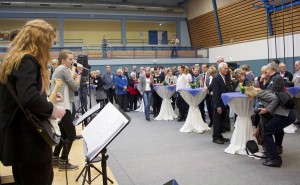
[133, 92]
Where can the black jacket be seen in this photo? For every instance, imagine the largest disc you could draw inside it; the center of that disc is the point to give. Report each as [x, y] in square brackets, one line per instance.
[218, 87]
[19, 142]
[99, 82]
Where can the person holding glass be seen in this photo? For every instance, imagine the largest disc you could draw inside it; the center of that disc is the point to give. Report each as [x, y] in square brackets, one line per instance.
[239, 81]
[146, 82]
[171, 80]
[104, 46]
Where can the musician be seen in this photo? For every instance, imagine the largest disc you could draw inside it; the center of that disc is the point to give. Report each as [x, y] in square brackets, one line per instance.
[70, 84]
[25, 68]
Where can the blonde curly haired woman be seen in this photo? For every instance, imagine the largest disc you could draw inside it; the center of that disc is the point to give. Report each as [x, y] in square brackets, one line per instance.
[25, 68]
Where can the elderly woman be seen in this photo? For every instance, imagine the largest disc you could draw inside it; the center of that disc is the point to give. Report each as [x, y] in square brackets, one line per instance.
[262, 80]
[274, 117]
[99, 83]
[239, 75]
[133, 92]
[121, 89]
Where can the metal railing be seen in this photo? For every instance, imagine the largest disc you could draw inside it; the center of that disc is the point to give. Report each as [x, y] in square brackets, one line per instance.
[95, 51]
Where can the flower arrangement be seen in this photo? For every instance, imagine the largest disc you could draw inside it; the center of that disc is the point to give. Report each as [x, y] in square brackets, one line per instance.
[193, 85]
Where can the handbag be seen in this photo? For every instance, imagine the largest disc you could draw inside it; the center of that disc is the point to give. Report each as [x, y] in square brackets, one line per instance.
[43, 127]
[252, 148]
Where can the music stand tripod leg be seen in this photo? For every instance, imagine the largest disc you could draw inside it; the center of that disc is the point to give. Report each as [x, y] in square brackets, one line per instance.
[103, 165]
[83, 170]
[93, 166]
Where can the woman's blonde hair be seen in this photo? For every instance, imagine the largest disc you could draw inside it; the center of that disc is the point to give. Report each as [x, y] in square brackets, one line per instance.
[34, 39]
[263, 69]
[212, 70]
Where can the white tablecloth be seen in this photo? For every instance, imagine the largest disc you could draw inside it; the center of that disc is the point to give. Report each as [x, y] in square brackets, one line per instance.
[243, 130]
[166, 110]
[194, 121]
[142, 107]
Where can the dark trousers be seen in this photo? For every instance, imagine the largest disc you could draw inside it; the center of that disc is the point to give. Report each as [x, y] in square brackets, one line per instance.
[182, 106]
[122, 101]
[33, 174]
[157, 101]
[275, 127]
[133, 101]
[68, 134]
[174, 52]
[111, 95]
[219, 123]
[83, 101]
[207, 99]
[102, 102]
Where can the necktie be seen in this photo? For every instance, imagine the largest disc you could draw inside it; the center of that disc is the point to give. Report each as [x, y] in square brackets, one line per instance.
[203, 80]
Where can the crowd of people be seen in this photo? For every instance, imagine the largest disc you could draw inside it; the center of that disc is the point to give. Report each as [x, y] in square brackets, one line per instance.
[25, 67]
[216, 81]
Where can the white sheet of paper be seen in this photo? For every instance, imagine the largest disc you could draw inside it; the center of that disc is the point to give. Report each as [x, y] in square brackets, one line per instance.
[86, 114]
[102, 129]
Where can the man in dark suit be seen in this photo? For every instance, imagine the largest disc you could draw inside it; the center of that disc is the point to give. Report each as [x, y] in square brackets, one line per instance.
[219, 109]
[287, 76]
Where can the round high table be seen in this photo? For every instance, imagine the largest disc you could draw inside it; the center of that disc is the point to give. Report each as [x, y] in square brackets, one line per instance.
[295, 92]
[194, 121]
[166, 110]
[243, 129]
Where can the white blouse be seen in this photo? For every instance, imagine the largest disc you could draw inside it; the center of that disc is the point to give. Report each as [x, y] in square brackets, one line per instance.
[182, 82]
[147, 88]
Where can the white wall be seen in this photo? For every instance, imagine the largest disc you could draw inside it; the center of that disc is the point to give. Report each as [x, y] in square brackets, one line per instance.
[256, 49]
[194, 8]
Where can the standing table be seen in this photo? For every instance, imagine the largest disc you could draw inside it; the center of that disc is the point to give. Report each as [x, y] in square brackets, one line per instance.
[243, 129]
[166, 110]
[194, 121]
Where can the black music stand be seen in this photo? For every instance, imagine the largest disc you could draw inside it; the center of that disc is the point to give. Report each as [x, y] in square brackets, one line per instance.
[104, 128]
[86, 171]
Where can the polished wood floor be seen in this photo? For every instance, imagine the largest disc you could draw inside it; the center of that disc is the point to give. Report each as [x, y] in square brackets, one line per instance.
[76, 157]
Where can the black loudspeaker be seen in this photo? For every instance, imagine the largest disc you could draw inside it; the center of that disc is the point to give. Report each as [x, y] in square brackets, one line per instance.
[83, 60]
[171, 182]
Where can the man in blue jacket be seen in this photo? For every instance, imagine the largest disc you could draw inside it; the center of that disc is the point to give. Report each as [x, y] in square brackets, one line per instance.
[121, 87]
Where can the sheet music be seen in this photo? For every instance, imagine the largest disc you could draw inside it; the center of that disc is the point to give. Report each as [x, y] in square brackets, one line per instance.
[86, 114]
[102, 129]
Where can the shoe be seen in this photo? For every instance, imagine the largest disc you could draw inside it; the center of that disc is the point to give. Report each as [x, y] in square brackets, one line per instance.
[148, 118]
[279, 149]
[126, 110]
[210, 124]
[218, 141]
[65, 165]
[55, 161]
[180, 119]
[225, 139]
[273, 163]
[228, 129]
